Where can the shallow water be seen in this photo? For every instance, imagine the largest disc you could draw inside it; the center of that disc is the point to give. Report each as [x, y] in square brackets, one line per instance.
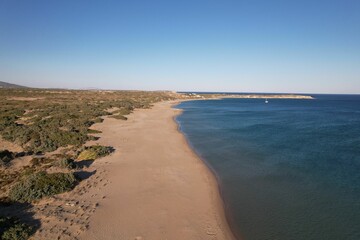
[289, 169]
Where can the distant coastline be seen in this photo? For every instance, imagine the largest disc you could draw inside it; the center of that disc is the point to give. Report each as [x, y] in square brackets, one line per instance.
[269, 96]
[245, 96]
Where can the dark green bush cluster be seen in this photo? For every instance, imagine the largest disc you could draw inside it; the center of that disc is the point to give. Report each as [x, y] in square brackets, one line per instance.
[93, 131]
[123, 111]
[7, 177]
[13, 229]
[39, 161]
[5, 157]
[120, 117]
[41, 184]
[65, 163]
[94, 152]
[48, 134]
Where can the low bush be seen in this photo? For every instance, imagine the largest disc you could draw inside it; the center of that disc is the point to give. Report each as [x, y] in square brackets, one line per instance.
[27, 171]
[94, 152]
[65, 163]
[123, 111]
[120, 117]
[5, 157]
[40, 161]
[7, 177]
[93, 131]
[98, 120]
[13, 229]
[41, 184]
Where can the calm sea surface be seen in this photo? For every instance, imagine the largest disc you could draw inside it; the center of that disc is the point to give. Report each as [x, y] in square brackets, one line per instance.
[289, 169]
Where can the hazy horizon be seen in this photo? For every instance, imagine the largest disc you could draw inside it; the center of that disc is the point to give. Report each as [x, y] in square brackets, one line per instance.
[210, 46]
[190, 91]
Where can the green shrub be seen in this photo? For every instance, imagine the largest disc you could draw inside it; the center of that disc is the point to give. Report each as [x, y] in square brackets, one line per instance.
[94, 152]
[19, 231]
[41, 184]
[12, 229]
[5, 157]
[27, 170]
[93, 131]
[7, 177]
[40, 161]
[123, 111]
[120, 117]
[65, 163]
[98, 120]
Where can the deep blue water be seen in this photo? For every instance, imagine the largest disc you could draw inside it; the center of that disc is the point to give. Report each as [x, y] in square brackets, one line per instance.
[289, 169]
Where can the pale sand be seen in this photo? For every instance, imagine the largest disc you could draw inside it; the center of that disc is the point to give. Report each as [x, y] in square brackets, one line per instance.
[157, 188]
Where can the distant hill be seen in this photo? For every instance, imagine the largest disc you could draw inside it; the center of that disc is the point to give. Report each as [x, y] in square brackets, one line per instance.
[10, 85]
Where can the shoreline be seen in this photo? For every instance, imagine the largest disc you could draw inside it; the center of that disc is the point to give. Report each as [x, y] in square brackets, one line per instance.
[226, 209]
[211, 170]
[177, 200]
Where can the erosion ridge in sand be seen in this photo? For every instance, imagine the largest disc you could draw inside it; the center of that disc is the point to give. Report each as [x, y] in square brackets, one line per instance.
[157, 187]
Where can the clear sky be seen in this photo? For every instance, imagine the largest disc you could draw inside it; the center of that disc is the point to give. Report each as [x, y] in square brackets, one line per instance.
[304, 46]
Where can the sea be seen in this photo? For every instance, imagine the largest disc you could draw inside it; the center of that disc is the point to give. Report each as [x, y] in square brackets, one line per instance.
[288, 169]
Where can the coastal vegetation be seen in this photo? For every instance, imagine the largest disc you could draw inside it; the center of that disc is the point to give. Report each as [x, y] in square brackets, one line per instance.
[41, 184]
[5, 157]
[44, 120]
[94, 152]
[65, 163]
[13, 229]
[51, 128]
[120, 117]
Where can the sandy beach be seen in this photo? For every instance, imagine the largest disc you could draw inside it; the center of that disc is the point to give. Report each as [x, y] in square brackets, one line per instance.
[157, 187]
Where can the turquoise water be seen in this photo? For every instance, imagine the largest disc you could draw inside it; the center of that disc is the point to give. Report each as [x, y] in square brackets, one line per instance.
[289, 169]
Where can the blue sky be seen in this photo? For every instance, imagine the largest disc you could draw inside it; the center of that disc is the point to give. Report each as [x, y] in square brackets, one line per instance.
[247, 46]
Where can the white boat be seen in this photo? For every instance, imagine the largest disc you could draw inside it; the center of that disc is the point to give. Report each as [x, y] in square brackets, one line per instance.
[266, 101]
